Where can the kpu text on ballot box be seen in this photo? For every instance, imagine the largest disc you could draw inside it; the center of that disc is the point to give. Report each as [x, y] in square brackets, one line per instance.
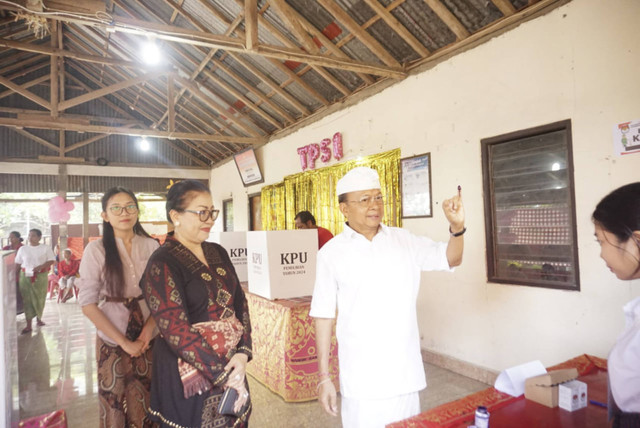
[281, 264]
[236, 245]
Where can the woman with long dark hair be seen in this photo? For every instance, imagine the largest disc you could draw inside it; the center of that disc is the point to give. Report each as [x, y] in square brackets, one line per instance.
[617, 229]
[111, 298]
[194, 294]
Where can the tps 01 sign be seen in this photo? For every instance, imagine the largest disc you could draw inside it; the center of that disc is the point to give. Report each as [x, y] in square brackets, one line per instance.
[310, 153]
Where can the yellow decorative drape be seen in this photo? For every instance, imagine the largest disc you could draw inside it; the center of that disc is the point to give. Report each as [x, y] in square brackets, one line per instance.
[314, 191]
[273, 207]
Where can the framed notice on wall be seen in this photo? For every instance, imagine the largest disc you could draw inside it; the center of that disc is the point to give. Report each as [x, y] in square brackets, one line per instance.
[248, 167]
[415, 176]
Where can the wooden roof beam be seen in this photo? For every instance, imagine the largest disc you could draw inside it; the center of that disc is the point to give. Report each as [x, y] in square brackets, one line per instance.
[505, 7]
[320, 70]
[367, 39]
[195, 90]
[290, 98]
[74, 55]
[448, 18]
[25, 86]
[284, 11]
[35, 138]
[205, 39]
[251, 23]
[27, 94]
[64, 126]
[328, 44]
[397, 26]
[108, 90]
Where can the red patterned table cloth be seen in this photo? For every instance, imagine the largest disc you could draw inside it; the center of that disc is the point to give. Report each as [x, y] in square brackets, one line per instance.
[508, 411]
[284, 347]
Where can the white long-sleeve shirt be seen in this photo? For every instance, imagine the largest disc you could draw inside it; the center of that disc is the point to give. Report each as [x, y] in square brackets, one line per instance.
[374, 286]
[624, 361]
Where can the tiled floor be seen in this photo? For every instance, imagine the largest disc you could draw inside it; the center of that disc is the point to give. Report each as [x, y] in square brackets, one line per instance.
[57, 371]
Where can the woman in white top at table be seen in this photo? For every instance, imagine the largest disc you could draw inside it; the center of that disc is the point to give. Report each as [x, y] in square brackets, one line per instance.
[34, 261]
[617, 229]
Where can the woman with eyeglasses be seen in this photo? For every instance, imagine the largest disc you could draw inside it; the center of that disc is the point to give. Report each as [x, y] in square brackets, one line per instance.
[617, 230]
[110, 296]
[194, 294]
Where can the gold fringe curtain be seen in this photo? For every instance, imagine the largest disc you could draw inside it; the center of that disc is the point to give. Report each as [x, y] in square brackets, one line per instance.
[314, 191]
[273, 207]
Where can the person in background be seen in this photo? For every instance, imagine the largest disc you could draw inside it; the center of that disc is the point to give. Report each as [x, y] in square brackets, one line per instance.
[371, 272]
[617, 229]
[34, 261]
[203, 316]
[67, 270]
[15, 241]
[110, 296]
[306, 220]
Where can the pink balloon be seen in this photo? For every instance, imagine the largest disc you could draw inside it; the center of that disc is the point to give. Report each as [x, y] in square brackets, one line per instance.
[337, 146]
[313, 153]
[302, 151]
[68, 206]
[325, 150]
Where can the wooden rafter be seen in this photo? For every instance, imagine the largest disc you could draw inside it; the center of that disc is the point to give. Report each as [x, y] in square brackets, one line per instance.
[26, 85]
[108, 90]
[367, 39]
[35, 138]
[251, 23]
[448, 18]
[206, 39]
[284, 11]
[119, 130]
[27, 94]
[40, 49]
[328, 44]
[505, 7]
[396, 26]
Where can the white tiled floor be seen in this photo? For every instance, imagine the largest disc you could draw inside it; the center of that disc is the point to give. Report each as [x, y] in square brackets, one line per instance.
[57, 370]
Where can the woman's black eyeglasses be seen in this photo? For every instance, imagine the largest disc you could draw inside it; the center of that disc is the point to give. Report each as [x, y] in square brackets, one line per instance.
[204, 215]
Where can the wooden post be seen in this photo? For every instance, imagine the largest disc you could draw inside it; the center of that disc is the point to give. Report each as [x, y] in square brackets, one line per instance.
[85, 216]
[62, 192]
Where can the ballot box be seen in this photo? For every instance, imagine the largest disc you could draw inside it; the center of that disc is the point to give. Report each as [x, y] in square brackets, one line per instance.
[281, 264]
[236, 245]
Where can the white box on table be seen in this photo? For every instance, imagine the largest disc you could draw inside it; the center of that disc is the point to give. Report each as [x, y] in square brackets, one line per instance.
[236, 245]
[281, 264]
[572, 395]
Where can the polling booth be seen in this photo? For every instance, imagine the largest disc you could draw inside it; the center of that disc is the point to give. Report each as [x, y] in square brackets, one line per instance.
[281, 269]
[282, 263]
[236, 245]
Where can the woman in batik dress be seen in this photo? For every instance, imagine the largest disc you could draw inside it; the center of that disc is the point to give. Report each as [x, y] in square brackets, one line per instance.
[188, 284]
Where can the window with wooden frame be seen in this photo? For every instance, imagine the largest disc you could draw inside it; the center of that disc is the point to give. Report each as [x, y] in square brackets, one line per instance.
[227, 215]
[530, 208]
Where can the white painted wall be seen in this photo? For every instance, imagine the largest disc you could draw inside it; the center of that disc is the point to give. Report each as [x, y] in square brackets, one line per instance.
[580, 62]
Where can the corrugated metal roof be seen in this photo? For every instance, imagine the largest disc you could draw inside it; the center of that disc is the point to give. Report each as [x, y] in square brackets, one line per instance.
[240, 84]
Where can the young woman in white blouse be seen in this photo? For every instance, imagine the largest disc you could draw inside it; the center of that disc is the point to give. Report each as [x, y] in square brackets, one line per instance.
[617, 229]
[111, 298]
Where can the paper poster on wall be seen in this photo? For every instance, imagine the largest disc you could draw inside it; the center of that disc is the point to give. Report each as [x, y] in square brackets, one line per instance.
[626, 138]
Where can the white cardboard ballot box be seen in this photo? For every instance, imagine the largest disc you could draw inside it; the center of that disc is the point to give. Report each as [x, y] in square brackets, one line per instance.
[236, 245]
[282, 263]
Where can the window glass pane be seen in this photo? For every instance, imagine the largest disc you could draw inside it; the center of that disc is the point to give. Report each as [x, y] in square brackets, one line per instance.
[532, 216]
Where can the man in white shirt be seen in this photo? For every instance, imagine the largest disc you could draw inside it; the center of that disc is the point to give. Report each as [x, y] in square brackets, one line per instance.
[370, 275]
